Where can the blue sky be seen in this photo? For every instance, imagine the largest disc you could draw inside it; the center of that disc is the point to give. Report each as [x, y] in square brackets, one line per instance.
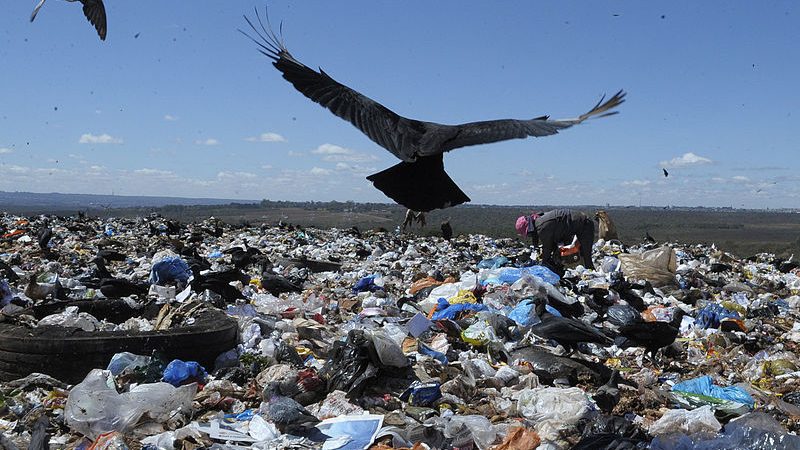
[190, 108]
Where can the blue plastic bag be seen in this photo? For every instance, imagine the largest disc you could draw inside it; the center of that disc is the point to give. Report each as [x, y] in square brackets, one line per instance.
[712, 315]
[493, 263]
[547, 275]
[703, 386]
[5, 293]
[523, 314]
[438, 356]
[179, 372]
[366, 284]
[444, 310]
[171, 268]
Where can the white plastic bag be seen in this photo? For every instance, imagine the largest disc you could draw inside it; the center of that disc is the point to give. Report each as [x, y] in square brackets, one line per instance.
[95, 407]
[699, 420]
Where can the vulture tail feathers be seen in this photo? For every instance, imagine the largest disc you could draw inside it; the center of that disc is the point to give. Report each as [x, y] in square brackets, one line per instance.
[422, 185]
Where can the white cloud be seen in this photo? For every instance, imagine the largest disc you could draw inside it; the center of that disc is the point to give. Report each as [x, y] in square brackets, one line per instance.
[16, 169]
[636, 183]
[153, 172]
[209, 141]
[5, 150]
[335, 153]
[718, 180]
[740, 179]
[687, 159]
[236, 175]
[318, 171]
[170, 118]
[331, 149]
[266, 137]
[89, 138]
[267, 166]
[295, 154]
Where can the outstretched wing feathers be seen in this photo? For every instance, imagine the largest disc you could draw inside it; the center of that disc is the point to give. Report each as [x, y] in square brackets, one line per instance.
[95, 12]
[373, 119]
[499, 130]
[376, 121]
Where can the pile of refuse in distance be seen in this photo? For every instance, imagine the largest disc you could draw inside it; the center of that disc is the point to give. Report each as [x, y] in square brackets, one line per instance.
[351, 339]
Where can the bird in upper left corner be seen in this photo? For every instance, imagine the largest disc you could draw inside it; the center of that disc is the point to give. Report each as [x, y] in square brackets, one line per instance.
[94, 10]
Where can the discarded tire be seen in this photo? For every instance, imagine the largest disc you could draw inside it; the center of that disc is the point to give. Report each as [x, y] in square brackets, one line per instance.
[68, 354]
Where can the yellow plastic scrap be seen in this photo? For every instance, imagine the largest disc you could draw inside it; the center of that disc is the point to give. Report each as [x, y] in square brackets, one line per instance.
[256, 282]
[463, 296]
[778, 367]
[733, 306]
[613, 362]
[304, 352]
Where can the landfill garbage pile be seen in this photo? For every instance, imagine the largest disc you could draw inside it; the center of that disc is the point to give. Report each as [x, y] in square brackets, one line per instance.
[148, 333]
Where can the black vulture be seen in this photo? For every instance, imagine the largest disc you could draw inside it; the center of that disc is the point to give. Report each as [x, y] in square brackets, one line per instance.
[566, 331]
[94, 10]
[651, 335]
[419, 181]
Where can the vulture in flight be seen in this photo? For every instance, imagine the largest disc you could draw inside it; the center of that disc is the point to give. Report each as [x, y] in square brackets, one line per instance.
[94, 10]
[419, 181]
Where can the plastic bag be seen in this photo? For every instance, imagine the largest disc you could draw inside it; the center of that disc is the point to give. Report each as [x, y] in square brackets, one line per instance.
[657, 266]
[463, 296]
[5, 293]
[520, 438]
[366, 284]
[71, 318]
[523, 314]
[179, 372]
[700, 420]
[621, 315]
[482, 431]
[94, 407]
[125, 361]
[553, 409]
[713, 314]
[703, 386]
[493, 263]
[389, 353]
[170, 268]
[480, 333]
[444, 310]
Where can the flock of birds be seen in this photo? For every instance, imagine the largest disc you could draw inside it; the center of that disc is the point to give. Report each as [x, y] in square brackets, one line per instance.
[419, 182]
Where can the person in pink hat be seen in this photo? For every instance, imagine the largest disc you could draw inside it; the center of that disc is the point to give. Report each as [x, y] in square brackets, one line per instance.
[556, 227]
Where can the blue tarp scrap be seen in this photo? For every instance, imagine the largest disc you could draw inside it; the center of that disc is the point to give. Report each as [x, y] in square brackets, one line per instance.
[444, 310]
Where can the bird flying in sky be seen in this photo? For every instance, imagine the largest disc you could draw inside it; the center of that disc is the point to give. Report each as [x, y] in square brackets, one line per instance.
[94, 10]
[419, 181]
[666, 174]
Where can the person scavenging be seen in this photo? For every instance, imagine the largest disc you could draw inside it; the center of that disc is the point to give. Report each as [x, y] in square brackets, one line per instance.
[556, 227]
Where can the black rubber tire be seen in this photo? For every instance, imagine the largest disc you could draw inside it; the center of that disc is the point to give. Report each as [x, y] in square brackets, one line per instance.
[69, 354]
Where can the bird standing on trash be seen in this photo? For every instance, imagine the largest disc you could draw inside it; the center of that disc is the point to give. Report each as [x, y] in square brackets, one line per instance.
[419, 181]
[567, 332]
[287, 415]
[653, 336]
[94, 10]
[607, 396]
